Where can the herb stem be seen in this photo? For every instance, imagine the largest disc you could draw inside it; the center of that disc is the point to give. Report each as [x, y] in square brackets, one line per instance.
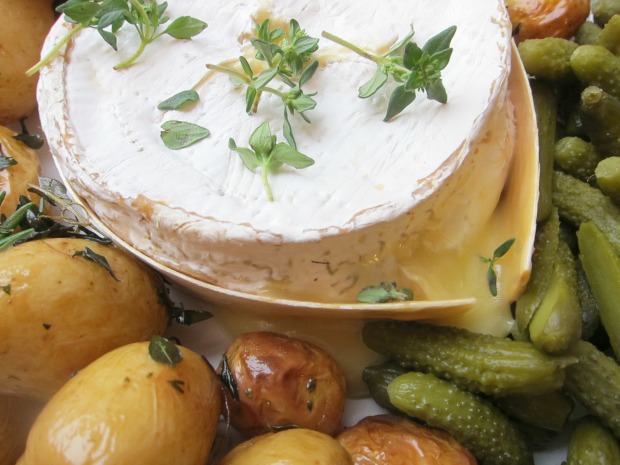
[132, 58]
[230, 72]
[352, 47]
[54, 51]
[265, 174]
[145, 35]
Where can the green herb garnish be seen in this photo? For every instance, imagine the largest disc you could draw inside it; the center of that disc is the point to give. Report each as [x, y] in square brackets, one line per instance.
[108, 16]
[287, 56]
[180, 100]
[94, 257]
[5, 160]
[491, 273]
[165, 351]
[385, 292]
[269, 154]
[413, 68]
[180, 134]
[177, 384]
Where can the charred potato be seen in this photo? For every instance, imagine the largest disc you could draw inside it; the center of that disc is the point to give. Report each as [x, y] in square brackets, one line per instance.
[288, 447]
[17, 414]
[23, 27]
[392, 440]
[134, 405]
[14, 179]
[275, 381]
[60, 311]
[534, 19]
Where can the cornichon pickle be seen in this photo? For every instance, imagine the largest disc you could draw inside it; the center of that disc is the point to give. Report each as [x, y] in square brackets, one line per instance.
[588, 33]
[545, 250]
[590, 319]
[603, 10]
[546, 107]
[596, 66]
[592, 444]
[600, 116]
[607, 174]
[610, 35]
[549, 411]
[477, 424]
[579, 202]
[476, 362]
[378, 377]
[548, 58]
[593, 381]
[556, 325]
[601, 264]
[577, 157]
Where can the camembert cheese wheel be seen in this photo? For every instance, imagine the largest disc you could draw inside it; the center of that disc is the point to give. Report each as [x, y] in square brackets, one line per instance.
[382, 198]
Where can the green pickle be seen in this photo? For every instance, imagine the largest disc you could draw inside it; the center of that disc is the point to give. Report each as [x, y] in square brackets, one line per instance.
[601, 264]
[592, 444]
[593, 382]
[477, 424]
[600, 116]
[590, 319]
[577, 157]
[610, 35]
[603, 10]
[588, 33]
[607, 174]
[579, 202]
[595, 65]
[378, 377]
[550, 411]
[557, 324]
[475, 362]
[548, 58]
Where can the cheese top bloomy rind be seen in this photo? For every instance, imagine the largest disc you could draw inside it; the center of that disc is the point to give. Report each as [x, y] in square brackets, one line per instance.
[331, 227]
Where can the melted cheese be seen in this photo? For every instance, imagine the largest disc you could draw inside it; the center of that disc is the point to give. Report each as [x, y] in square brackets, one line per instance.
[411, 201]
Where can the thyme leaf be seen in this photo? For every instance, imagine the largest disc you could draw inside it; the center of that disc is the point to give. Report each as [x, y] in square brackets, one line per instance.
[180, 134]
[165, 351]
[384, 292]
[491, 274]
[179, 100]
[94, 257]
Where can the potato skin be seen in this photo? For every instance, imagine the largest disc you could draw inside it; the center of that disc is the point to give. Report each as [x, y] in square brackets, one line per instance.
[391, 440]
[17, 414]
[535, 19]
[14, 180]
[126, 408]
[282, 381]
[59, 312]
[23, 27]
[288, 447]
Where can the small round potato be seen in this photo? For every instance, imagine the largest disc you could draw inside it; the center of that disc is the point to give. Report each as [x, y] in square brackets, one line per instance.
[23, 27]
[127, 408]
[14, 180]
[288, 447]
[17, 414]
[60, 311]
[281, 381]
[535, 19]
[391, 440]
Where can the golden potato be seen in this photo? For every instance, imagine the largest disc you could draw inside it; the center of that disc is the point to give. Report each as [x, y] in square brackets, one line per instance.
[17, 414]
[288, 447]
[535, 19]
[14, 180]
[23, 27]
[281, 381]
[59, 312]
[391, 440]
[127, 408]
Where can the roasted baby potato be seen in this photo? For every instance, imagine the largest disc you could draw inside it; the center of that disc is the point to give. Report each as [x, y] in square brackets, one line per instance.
[391, 440]
[14, 179]
[59, 311]
[17, 414]
[535, 19]
[288, 447]
[23, 27]
[274, 381]
[144, 403]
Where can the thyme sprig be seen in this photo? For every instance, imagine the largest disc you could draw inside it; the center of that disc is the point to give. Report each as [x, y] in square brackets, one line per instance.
[286, 56]
[499, 252]
[387, 291]
[414, 68]
[108, 16]
[269, 154]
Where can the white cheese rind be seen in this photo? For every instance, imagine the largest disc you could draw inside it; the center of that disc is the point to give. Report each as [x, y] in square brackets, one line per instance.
[331, 227]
